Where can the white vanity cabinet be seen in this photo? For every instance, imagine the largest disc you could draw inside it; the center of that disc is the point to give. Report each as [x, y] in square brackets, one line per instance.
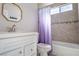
[18, 44]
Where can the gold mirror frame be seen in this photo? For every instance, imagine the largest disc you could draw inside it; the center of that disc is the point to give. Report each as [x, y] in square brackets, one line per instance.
[6, 17]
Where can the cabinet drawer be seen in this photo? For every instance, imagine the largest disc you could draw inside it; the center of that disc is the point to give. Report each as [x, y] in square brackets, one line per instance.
[30, 49]
[16, 52]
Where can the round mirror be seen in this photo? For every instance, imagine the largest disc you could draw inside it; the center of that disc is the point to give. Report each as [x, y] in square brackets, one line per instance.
[11, 12]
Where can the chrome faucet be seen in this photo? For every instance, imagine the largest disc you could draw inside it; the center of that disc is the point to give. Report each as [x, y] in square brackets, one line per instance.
[12, 29]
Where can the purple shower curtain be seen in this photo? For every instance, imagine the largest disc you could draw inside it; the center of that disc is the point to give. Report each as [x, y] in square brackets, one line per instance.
[44, 25]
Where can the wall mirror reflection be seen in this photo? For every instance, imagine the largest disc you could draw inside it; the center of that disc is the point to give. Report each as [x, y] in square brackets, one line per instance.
[15, 15]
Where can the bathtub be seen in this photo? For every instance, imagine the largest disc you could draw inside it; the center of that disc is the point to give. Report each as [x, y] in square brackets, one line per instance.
[64, 49]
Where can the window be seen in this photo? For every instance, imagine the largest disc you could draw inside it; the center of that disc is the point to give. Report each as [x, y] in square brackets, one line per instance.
[66, 8]
[55, 10]
[61, 9]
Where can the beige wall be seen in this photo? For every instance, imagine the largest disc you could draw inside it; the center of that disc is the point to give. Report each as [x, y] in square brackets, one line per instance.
[78, 11]
[29, 22]
[67, 32]
[41, 5]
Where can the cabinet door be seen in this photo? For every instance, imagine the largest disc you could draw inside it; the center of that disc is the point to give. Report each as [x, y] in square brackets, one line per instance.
[16, 52]
[34, 54]
[30, 49]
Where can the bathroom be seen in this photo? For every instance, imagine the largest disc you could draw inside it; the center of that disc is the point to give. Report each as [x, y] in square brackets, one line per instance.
[39, 29]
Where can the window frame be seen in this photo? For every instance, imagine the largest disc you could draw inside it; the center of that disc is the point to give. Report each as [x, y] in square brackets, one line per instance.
[54, 8]
[60, 8]
[65, 5]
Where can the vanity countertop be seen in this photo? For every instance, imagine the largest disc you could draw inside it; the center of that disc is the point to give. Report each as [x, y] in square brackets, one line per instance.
[15, 34]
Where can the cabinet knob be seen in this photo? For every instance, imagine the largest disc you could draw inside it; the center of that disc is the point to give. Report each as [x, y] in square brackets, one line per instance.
[20, 52]
[31, 49]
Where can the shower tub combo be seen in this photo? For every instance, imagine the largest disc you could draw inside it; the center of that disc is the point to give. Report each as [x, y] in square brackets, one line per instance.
[65, 49]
